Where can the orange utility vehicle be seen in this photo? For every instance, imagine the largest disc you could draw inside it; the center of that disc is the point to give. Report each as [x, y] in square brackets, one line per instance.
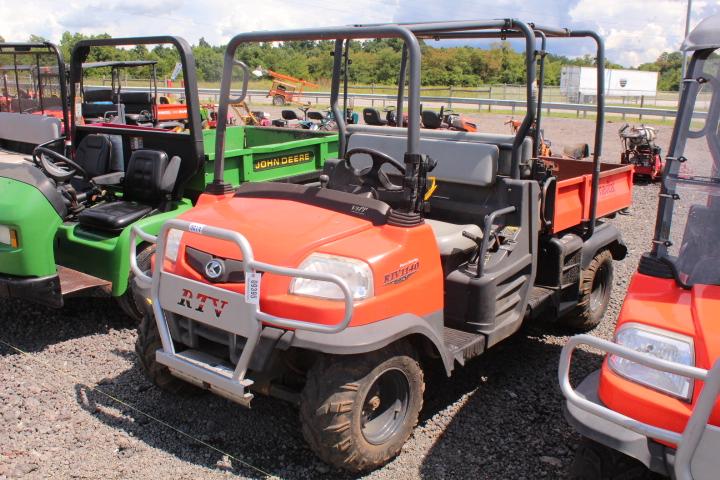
[415, 246]
[654, 403]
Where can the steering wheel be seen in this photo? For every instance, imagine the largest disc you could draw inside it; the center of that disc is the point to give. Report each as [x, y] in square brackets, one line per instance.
[57, 166]
[373, 178]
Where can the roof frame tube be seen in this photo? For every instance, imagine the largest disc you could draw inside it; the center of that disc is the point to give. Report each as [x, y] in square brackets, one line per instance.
[327, 33]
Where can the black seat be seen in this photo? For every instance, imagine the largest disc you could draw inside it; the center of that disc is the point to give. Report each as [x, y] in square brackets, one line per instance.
[138, 106]
[289, 115]
[149, 179]
[94, 154]
[372, 117]
[315, 115]
[97, 101]
[431, 119]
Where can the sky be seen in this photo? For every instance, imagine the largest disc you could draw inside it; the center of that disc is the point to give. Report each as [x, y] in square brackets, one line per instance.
[635, 31]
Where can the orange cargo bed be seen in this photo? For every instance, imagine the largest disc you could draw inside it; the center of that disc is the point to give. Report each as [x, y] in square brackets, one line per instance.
[574, 187]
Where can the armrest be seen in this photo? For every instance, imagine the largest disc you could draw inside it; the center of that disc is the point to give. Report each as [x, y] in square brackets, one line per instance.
[112, 178]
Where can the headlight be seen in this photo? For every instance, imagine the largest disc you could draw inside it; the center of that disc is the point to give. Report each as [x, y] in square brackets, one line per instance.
[8, 236]
[172, 244]
[661, 344]
[356, 273]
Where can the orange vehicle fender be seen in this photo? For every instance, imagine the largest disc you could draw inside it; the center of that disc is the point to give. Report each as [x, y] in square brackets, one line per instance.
[374, 336]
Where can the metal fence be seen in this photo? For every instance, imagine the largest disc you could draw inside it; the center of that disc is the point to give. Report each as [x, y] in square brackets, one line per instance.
[497, 105]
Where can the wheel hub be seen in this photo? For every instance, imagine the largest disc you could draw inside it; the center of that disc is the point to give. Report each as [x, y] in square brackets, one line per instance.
[385, 406]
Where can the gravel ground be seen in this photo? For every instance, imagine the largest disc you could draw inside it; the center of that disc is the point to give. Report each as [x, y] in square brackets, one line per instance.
[76, 404]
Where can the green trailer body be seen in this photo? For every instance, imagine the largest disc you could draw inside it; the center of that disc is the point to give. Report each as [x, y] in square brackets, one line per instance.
[261, 154]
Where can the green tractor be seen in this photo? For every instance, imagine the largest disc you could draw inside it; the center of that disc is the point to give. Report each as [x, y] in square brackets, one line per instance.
[66, 213]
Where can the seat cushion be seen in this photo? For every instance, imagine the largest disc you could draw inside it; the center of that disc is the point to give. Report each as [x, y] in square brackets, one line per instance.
[449, 236]
[113, 216]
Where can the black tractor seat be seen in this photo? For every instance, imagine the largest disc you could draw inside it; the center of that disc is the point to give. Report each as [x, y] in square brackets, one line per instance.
[372, 117]
[149, 179]
[431, 119]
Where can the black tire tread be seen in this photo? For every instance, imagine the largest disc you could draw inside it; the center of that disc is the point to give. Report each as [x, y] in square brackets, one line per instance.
[581, 318]
[147, 343]
[127, 300]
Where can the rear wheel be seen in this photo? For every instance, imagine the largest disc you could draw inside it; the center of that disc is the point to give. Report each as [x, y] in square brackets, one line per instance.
[594, 461]
[278, 100]
[130, 302]
[595, 289]
[147, 343]
[357, 411]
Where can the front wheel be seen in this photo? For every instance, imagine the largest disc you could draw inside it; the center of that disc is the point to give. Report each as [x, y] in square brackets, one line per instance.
[278, 100]
[148, 342]
[357, 411]
[595, 288]
[594, 461]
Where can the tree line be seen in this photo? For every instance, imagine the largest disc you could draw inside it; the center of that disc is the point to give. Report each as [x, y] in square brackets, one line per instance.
[373, 61]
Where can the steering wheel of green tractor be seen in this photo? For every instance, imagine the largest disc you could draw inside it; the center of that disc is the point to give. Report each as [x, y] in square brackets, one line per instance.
[57, 166]
[372, 177]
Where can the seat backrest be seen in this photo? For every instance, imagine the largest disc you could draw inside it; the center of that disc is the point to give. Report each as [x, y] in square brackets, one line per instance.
[94, 153]
[431, 119]
[315, 115]
[503, 142]
[144, 177]
[372, 117]
[289, 115]
[458, 161]
[136, 102]
[97, 94]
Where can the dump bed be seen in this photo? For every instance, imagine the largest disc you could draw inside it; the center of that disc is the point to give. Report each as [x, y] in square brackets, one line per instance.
[574, 191]
[254, 154]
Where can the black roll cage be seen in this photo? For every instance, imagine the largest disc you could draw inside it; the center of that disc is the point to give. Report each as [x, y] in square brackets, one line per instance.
[192, 101]
[410, 33]
[37, 49]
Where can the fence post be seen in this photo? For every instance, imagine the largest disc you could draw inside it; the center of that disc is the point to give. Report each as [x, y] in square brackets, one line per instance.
[642, 104]
[450, 98]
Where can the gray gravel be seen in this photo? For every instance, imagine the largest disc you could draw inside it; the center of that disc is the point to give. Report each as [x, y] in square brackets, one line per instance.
[71, 406]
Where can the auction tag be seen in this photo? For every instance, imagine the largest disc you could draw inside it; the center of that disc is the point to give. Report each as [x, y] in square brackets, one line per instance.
[252, 288]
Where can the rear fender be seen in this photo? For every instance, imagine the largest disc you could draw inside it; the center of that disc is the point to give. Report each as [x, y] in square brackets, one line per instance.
[605, 236]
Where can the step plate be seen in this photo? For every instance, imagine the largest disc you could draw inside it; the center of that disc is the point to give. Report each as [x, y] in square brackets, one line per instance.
[463, 345]
[72, 281]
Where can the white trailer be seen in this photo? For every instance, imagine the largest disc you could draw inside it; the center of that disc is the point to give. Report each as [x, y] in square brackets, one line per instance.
[577, 83]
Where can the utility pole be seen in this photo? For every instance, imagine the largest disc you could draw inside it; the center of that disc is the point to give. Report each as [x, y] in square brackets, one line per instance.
[687, 29]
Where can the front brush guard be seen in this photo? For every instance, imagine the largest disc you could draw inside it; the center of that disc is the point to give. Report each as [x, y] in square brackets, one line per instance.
[230, 311]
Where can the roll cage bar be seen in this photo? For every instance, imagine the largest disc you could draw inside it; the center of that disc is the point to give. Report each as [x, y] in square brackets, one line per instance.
[82, 49]
[36, 49]
[410, 60]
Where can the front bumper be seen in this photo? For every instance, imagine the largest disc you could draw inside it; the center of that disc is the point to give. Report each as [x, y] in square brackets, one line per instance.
[43, 290]
[695, 457]
[655, 456]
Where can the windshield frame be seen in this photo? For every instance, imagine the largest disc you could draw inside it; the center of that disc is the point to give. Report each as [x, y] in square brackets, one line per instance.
[673, 175]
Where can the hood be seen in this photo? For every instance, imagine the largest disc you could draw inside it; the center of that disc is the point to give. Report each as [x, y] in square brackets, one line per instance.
[281, 232]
